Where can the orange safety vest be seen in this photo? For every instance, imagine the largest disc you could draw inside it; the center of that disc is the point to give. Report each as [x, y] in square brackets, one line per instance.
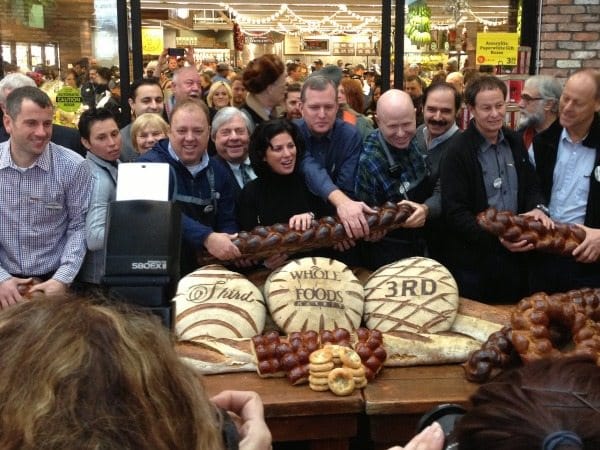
[349, 117]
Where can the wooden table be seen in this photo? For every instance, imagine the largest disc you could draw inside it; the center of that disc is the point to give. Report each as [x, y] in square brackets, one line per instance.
[392, 405]
[397, 399]
[296, 413]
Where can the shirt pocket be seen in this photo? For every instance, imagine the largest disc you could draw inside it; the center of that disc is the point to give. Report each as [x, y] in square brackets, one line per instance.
[45, 210]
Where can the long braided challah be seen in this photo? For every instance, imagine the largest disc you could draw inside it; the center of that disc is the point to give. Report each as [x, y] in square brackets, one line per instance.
[561, 240]
[265, 241]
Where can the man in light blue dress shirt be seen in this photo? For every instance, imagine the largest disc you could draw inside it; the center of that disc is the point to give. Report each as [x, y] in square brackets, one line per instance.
[567, 159]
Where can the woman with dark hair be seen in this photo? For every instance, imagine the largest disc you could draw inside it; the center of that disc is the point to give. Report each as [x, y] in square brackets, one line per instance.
[548, 404]
[279, 194]
[264, 79]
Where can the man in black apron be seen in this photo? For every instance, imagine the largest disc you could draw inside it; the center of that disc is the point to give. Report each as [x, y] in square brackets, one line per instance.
[392, 168]
[202, 188]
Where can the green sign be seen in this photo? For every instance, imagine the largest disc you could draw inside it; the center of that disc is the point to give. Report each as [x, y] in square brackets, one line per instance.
[68, 99]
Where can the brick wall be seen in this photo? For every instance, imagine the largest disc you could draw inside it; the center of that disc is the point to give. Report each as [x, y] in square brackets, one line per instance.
[570, 36]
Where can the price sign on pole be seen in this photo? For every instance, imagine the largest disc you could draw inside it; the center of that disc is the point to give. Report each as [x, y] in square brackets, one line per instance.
[497, 49]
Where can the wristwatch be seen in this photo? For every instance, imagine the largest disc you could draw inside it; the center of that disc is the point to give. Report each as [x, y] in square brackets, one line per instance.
[543, 208]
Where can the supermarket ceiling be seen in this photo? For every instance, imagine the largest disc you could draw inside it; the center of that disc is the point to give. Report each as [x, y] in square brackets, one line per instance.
[312, 17]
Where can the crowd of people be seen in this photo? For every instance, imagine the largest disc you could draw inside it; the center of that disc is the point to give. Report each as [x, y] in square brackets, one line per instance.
[271, 144]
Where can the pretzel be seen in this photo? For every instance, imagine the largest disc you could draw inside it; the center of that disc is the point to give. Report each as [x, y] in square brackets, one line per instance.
[561, 240]
[265, 241]
[535, 332]
[341, 381]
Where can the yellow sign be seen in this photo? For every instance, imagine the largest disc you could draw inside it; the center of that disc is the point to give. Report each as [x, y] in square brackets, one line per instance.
[68, 99]
[497, 49]
[152, 40]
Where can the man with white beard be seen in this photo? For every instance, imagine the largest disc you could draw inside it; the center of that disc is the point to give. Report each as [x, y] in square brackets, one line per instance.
[538, 106]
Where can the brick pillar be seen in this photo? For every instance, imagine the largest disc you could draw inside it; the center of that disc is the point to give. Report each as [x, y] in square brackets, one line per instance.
[570, 36]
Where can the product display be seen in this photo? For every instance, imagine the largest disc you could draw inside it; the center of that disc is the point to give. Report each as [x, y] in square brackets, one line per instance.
[265, 241]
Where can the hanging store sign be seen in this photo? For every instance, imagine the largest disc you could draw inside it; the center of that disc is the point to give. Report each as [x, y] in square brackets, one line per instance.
[263, 38]
[497, 49]
[152, 40]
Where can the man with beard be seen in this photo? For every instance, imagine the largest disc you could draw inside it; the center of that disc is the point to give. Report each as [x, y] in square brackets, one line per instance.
[538, 106]
[441, 103]
[292, 102]
[567, 159]
[392, 168]
[238, 90]
[487, 166]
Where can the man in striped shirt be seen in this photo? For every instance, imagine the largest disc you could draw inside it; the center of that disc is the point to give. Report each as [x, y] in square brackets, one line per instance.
[44, 197]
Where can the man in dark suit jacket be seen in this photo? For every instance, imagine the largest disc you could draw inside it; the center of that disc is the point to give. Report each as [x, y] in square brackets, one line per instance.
[230, 131]
[488, 166]
[61, 135]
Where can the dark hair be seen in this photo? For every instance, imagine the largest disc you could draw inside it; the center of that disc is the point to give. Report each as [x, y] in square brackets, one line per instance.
[416, 78]
[483, 83]
[105, 73]
[293, 87]
[443, 86]
[72, 72]
[292, 67]
[142, 82]
[14, 100]
[521, 407]
[90, 117]
[262, 72]
[260, 141]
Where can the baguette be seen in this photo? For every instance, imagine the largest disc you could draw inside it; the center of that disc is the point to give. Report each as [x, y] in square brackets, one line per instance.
[474, 327]
[411, 349]
[212, 355]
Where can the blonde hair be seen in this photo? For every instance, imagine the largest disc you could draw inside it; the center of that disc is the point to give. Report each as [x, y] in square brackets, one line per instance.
[84, 374]
[151, 120]
[213, 88]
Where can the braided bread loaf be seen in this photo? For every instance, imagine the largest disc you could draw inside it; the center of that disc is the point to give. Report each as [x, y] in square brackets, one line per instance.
[561, 240]
[538, 325]
[496, 352]
[265, 241]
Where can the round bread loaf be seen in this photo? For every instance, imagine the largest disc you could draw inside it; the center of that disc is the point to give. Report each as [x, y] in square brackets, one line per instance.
[414, 294]
[314, 294]
[214, 301]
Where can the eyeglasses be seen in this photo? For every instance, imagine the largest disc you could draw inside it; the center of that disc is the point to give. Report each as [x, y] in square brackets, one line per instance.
[528, 98]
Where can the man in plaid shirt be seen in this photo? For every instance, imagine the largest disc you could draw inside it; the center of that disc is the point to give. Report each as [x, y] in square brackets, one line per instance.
[392, 168]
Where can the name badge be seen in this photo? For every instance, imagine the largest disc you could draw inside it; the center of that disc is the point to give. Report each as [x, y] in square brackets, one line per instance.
[597, 173]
